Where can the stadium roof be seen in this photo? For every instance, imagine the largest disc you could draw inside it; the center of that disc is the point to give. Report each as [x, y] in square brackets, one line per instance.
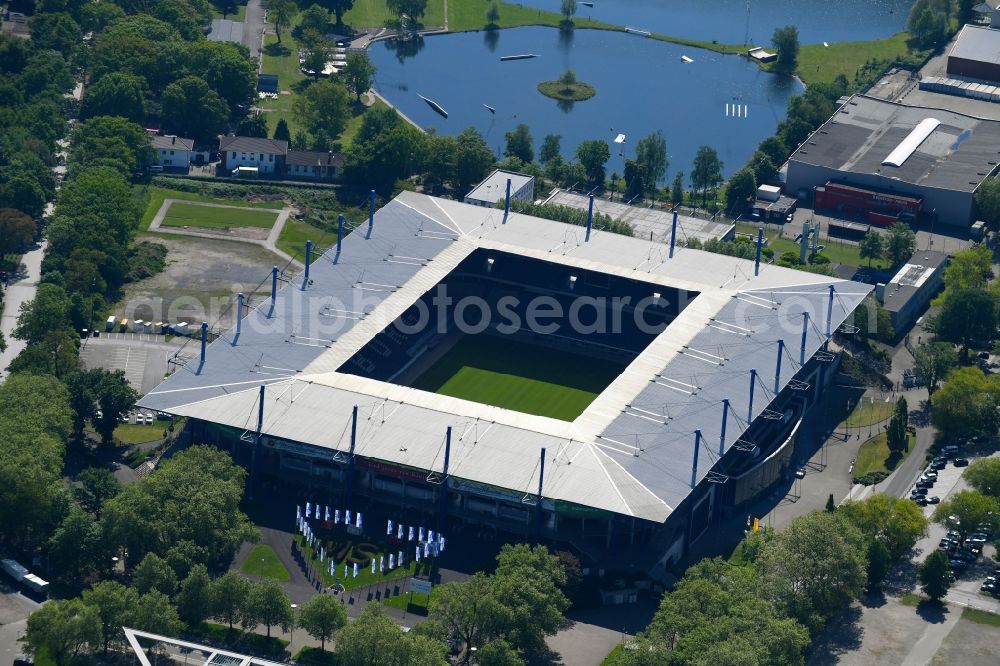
[629, 452]
[957, 154]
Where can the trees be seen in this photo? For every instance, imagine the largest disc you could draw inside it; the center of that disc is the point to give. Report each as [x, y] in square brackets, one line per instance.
[967, 315]
[65, 628]
[282, 12]
[593, 155]
[409, 12]
[156, 614]
[815, 566]
[519, 144]
[470, 611]
[325, 105]
[896, 436]
[900, 243]
[677, 189]
[110, 141]
[47, 312]
[928, 28]
[76, 547]
[550, 148]
[493, 15]
[498, 653]
[194, 599]
[741, 189]
[969, 269]
[321, 617]
[253, 125]
[385, 150]
[932, 362]
[115, 396]
[786, 43]
[315, 18]
[896, 523]
[16, 230]
[281, 131]
[359, 73]
[933, 575]
[965, 405]
[970, 509]
[267, 604]
[375, 638]
[114, 604]
[528, 582]
[987, 199]
[872, 246]
[706, 172]
[984, 475]
[227, 595]
[473, 160]
[338, 7]
[153, 573]
[651, 154]
[568, 10]
[193, 496]
[57, 31]
[192, 109]
[116, 94]
[317, 51]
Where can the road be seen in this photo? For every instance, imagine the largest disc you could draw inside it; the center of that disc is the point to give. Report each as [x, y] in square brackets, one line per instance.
[253, 28]
[20, 291]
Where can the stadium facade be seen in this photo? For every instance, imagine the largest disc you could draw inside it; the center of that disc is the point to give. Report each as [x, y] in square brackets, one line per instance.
[719, 360]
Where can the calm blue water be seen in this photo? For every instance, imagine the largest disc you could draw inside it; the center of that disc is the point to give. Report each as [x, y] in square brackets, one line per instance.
[726, 20]
[642, 86]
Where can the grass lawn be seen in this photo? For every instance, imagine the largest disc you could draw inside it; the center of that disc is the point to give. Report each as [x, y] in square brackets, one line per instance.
[499, 371]
[874, 456]
[263, 562]
[981, 617]
[911, 599]
[236, 638]
[375, 13]
[415, 602]
[193, 215]
[281, 59]
[295, 234]
[345, 547]
[130, 433]
[821, 64]
[613, 655]
[838, 252]
[240, 15]
[313, 655]
[158, 194]
[867, 413]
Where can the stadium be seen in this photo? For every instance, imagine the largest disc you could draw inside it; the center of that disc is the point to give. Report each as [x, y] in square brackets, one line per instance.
[472, 368]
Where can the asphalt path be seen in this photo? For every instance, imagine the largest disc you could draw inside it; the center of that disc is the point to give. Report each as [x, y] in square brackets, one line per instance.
[253, 28]
[17, 293]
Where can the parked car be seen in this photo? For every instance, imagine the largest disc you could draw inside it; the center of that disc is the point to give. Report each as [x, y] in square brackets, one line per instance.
[977, 538]
[931, 475]
[933, 499]
[925, 483]
[957, 564]
[966, 554]
[918, 492]
[938, 465]
[920, 500]
[988, 587]
[961, 462]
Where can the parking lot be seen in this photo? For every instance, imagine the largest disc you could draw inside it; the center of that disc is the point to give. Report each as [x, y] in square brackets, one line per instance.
[14, 611]
[142, 356]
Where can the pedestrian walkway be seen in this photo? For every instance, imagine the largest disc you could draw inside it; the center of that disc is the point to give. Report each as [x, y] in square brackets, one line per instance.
[17, 293]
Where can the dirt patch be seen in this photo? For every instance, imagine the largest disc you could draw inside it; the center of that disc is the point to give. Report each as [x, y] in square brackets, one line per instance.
[200, 281]
[252, 233]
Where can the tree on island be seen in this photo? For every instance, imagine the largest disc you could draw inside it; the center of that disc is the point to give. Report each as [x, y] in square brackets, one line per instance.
[568, 11]
[493, 15]
[568, 79]
[786, 41]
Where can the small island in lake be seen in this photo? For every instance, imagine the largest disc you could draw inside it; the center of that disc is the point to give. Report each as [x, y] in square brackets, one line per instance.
[567, 88]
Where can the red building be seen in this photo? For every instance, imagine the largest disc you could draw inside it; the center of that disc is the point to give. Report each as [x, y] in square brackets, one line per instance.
[879, 208]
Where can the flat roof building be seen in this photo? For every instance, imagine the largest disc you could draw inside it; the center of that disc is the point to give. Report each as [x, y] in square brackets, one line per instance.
[976, 54]
[494, 188]
[933, 154]
[913, 287]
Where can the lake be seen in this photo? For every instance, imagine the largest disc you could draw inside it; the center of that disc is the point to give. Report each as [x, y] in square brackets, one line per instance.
[726, 20]
[642, 86]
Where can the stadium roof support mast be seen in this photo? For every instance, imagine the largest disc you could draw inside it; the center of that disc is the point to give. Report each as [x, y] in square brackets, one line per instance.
[506, 203]
[538, 499]
[673, 234]
[805, 334]
[777, 369]
[829, 311]
[255, 453]
[350, 459]
[760, 245]
[204, 344]
[590, 217]
[274, 289]
[753, 383]
[340, 236]
[443, 509]
[309, 253]
[239, 317]
[371, 213]
[694, 483]
[725, 417]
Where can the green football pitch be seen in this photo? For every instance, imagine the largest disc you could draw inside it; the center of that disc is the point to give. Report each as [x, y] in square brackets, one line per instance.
[500, 371]
[193, 215]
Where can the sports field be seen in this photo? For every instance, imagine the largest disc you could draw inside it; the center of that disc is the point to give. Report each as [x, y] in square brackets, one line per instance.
[193, 215]
[500, 371]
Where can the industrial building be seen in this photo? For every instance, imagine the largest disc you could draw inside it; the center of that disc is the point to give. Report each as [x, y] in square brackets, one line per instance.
[881, 162]
[912, 287]
[976, 54]
[494, 188]
[310, 386]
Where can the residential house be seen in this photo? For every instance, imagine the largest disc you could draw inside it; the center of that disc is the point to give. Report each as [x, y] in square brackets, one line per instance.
[267, 156]
[313, 165]
[173, 152]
